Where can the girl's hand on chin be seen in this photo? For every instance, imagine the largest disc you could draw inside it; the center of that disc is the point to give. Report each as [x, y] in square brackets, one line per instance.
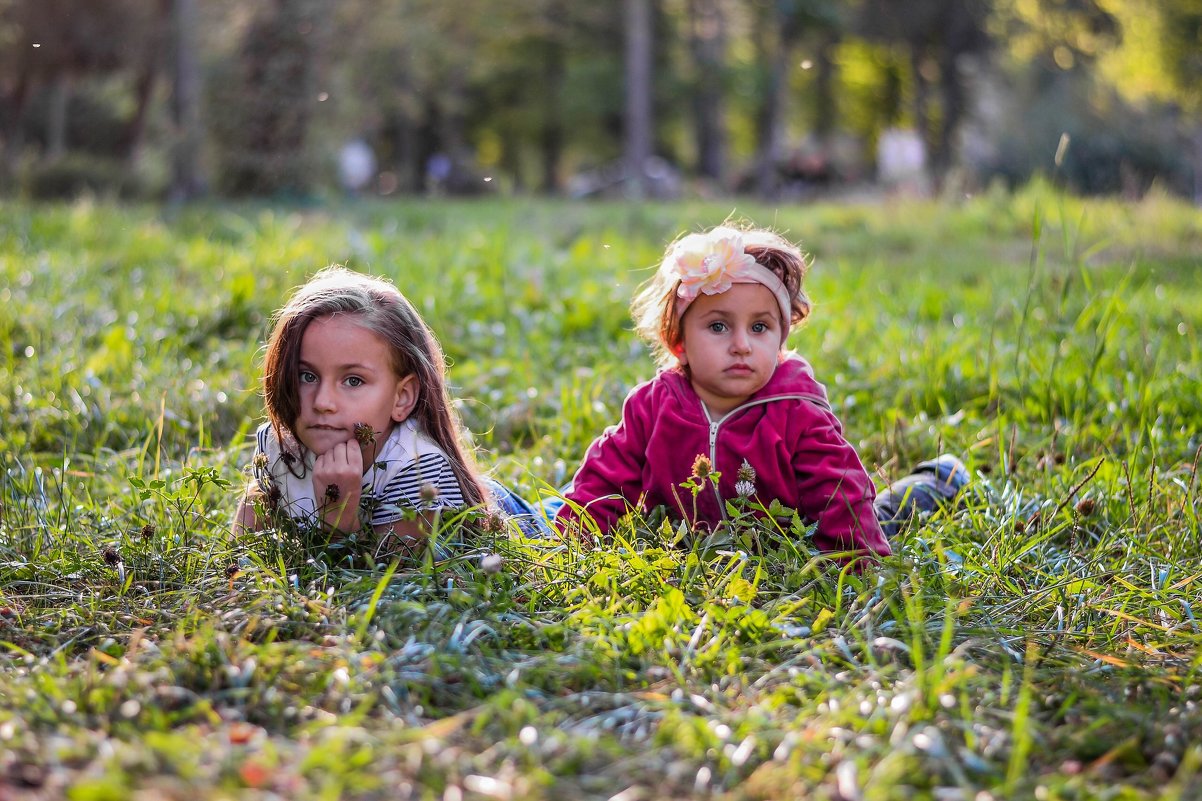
[337, 484]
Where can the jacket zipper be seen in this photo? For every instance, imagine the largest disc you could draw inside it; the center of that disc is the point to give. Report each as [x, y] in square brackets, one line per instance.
[817, 400]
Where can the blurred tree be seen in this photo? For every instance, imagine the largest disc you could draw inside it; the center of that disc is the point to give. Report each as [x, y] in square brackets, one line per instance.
[1183, 55]
[639, 92]
[388, 73]
[51, 45]
[778, 26]
[418, 97]
[708, 25]
[524, 91]
[187, 135]
[1097, 72]
[938, 35]
[1058, 35]
[262, 100]
[1182, 48]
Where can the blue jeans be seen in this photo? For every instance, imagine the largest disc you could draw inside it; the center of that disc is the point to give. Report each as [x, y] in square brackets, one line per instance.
[531, 519]
[933, 483]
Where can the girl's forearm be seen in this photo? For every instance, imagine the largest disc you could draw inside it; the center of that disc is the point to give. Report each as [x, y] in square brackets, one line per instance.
[400, 539]
[245, 518]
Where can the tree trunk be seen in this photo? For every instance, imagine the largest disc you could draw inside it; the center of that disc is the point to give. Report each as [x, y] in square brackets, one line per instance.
[826, 105]
[143, 90]
[186, 182]
[952, 100]
[708, 42]
[921, 108]
[1198, 165]
[768, 120]
[16, 101]
[407, 161]
[551, 137]
[56, 125]
[511, 162]
[638, 94]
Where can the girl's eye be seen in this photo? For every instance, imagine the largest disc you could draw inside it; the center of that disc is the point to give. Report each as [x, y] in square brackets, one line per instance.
[717, 327]
[307, 378]
[759, 328]
[354, 381]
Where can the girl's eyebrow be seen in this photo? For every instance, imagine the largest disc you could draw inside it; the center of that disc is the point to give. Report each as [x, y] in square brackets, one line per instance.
[725, 312]
[347, 366]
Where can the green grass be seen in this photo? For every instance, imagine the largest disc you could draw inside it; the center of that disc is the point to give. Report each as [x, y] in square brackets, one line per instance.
[1041, 641]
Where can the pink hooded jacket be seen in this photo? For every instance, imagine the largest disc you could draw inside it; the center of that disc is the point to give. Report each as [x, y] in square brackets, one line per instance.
[786, 431]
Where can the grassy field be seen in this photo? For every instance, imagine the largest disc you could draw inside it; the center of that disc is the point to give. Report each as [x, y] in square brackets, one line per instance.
[1039, 642]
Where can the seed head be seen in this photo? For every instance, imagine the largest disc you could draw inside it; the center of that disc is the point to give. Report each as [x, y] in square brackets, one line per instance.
[260, 461]
[365, 434]
[1031, 523]
[428, 492]
[745, 489]
[1086, 507]
[491, 563]
[493, 523]
[746, 473]
[332, 492]
[111, 556]
[148, 531]
[702, 466]
[231, 570]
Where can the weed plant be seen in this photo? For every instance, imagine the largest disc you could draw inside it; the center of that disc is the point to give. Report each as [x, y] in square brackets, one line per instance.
[1039, 641]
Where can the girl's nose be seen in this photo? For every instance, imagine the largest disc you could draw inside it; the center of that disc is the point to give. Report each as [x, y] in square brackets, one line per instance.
[323, 397]
[740, 342]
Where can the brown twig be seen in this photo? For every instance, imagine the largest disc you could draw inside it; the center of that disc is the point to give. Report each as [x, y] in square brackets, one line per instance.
[1068, 498]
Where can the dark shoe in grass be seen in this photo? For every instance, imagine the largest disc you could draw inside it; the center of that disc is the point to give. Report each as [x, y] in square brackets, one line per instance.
[934, 483]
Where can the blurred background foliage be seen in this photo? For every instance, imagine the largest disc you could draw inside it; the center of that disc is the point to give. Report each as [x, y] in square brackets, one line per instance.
[783, 99]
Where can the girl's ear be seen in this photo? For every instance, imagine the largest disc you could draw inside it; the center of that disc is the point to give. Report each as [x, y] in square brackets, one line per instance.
[680, 355]
[406, 398]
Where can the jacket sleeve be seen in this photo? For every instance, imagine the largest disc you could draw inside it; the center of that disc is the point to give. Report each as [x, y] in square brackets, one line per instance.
[609, 481]
[835, 490]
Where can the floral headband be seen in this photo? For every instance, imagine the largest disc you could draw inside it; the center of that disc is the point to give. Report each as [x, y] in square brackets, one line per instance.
[712, 262]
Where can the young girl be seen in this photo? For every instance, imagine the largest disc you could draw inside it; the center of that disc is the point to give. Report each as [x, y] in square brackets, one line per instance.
[360, 432]
[732, 400]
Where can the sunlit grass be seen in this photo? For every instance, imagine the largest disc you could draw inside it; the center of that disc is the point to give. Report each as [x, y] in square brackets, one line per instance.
[1039, 641]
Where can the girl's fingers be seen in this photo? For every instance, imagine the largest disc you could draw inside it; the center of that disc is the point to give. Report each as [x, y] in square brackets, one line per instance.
[353, 456]
[338, 473]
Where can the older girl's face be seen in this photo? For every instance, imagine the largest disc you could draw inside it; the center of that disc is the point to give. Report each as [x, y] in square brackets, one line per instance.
[345, 377]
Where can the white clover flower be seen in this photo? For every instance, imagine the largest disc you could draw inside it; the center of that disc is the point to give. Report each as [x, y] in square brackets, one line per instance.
[745, 485]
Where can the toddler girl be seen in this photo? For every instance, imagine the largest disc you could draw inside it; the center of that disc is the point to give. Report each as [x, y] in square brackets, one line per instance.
[717, 313]
[360, 432]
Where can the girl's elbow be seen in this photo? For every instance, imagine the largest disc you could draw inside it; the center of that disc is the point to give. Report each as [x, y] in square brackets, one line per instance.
[245, 520]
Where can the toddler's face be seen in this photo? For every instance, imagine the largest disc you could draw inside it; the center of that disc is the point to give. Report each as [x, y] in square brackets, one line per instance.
[732, 344]
[346, 377]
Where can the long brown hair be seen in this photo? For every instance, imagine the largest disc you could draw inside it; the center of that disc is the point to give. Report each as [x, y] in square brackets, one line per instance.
[654, 305]
[378, 306]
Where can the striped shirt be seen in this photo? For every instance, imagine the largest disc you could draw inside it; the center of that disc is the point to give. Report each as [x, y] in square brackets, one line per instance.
[407, 462]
